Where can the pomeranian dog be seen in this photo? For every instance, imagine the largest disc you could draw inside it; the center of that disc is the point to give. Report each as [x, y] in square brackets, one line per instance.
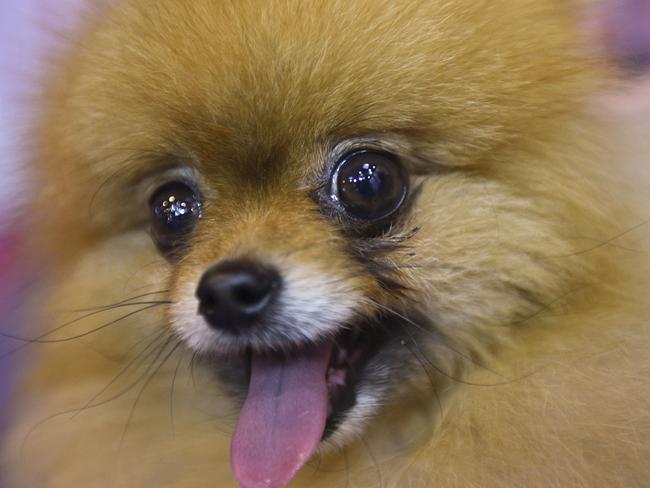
[344, 243]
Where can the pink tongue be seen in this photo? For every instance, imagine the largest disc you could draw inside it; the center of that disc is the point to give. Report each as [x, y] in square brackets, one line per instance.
[283, 418]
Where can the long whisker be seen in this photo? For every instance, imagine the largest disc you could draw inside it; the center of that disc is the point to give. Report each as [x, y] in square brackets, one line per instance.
[427, 331]
[40, 339]
[121, 302]
[144, 387]
[125, 165]
[156, 262]
[459, 380]
[89, 406]
[191, 368]
[122, 372]
[171, 396]
[346, 460]
[605, 242]
[547, 306]
[106, 309]
[124, 391]
[416, 354]
[380, 475]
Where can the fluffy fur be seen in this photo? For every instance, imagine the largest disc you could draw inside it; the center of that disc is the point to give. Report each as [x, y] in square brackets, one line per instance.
[516, 277]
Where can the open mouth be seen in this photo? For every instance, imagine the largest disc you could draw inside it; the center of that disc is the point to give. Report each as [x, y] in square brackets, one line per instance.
[353, 349]
[297, 399]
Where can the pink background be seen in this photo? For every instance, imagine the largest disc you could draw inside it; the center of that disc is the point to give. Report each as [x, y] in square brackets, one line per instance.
[26, 30]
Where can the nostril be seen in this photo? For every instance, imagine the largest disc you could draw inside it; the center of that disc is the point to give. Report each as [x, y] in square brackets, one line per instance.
[254, 290]
[249, 295]
[234, 294]
[207, 303]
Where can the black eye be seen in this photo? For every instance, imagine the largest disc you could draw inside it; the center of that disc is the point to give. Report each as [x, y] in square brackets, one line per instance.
[370, 185]
[175, 208]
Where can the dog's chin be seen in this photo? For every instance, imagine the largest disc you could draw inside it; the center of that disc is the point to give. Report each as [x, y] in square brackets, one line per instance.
[368, 362]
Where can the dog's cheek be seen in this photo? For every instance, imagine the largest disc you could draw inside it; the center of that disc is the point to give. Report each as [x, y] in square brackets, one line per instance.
[126, 271]
[464, 267]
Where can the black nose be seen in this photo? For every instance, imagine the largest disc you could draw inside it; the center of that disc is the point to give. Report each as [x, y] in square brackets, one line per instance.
[234, 294]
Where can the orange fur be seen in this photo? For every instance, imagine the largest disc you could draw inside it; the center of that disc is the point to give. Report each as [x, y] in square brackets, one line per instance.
[520, 257]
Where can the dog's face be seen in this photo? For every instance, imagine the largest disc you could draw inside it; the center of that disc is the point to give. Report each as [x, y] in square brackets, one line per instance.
[354, 200]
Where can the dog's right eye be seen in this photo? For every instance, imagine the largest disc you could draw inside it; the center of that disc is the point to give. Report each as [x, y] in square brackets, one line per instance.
[175, 208]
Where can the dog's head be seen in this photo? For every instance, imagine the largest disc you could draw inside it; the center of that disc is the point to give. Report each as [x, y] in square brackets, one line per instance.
[353, 199]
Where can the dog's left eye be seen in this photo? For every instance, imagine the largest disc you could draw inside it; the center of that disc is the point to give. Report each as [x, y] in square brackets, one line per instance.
[175, 208]
[369, 185]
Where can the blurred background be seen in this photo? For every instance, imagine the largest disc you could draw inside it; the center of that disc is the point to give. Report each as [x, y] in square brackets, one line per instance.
[31, 31]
